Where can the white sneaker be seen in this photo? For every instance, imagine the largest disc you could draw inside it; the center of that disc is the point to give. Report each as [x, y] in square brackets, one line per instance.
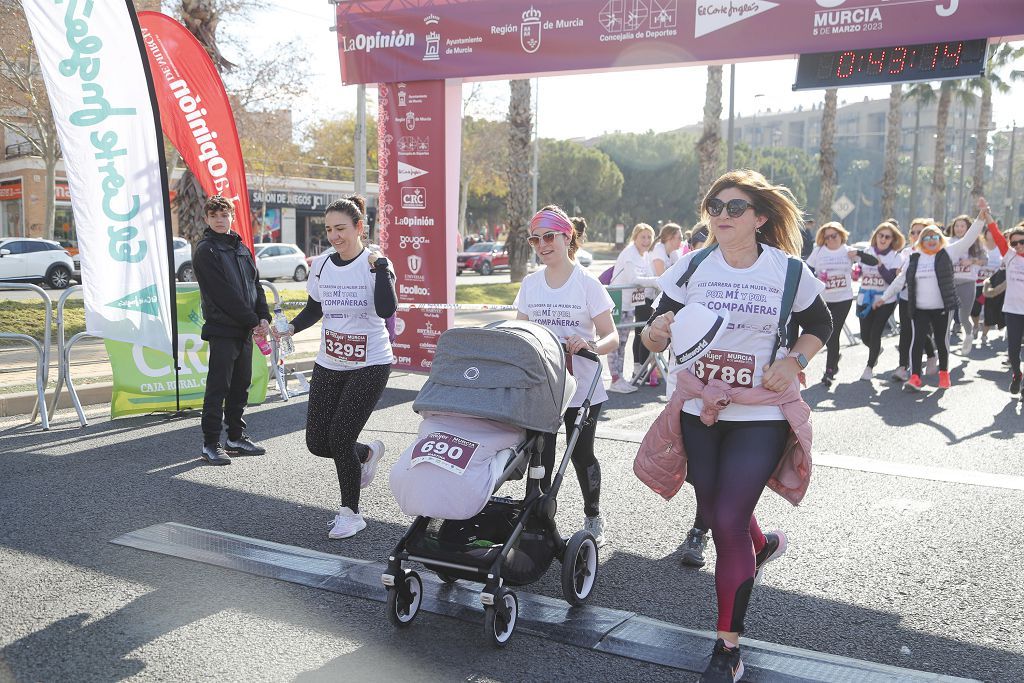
[369, 468]
[621, 386]
[867, 374]
[346, 524]
[595, 525]
[932, 367]
[965, 348]
[900, 375]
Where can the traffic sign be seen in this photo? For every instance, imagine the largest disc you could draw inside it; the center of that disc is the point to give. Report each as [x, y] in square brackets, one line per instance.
[843, 207]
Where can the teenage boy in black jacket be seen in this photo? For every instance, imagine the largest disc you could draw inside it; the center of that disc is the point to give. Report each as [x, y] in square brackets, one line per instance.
[235, 308]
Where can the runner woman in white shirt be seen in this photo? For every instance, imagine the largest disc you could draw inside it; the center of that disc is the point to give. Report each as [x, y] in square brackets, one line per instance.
[565, 298]
[928, 274]
[832, 261]
[886, 244]
[901, 374]
[1013, 304]
[353, 290]
[666, 249]
[965, 276]
[632, 267]
[756, 226]
[981, 305]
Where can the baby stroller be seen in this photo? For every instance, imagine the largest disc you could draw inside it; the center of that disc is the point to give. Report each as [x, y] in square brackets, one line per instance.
[508, 380]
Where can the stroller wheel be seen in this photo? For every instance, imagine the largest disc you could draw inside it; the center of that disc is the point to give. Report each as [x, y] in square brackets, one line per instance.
[404, 600]
[579, 568]
[500, 618]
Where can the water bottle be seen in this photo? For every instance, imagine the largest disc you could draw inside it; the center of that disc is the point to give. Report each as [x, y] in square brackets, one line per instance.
[285, 345]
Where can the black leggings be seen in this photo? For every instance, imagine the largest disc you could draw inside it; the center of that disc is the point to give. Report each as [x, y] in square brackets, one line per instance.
[839, 311]
[588, 470]
[907, 336]
[933, 323]
[642, 314]
[1014, 332]
[872, 328]
[729, 464]
[340, 403]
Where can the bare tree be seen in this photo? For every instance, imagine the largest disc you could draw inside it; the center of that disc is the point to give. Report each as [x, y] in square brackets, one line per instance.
[708, 147]
[518, 204]
[25, 106]
[894, 123]
[827, 160]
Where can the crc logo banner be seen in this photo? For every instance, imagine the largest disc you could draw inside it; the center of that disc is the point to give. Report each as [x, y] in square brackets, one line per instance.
[412, 213]
[92, 62]
[144, 378]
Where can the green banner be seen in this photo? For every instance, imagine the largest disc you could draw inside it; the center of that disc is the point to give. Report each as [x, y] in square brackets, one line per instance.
[144, 378]
[616, 295]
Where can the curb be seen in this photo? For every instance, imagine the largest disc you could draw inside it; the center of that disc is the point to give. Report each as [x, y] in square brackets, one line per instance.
[22, 403]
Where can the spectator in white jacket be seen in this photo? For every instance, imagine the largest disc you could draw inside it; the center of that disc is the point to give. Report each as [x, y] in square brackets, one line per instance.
[633, 267]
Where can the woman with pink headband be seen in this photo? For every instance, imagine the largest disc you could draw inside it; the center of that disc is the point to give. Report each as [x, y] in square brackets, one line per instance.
[565, 298]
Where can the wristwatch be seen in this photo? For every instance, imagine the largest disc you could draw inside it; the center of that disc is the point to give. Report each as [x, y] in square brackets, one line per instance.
[800, 359]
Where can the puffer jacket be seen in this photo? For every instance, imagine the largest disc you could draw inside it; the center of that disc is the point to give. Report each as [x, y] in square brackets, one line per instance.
[661, 460]
[233, 300]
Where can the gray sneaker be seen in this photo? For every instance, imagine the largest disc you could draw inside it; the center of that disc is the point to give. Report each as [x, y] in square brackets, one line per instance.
[693, 547]
[596, 526]
[774, 549]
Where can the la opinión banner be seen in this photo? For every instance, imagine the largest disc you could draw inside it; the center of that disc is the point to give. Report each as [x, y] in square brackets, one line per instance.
[144, 379]
[90, 54]
[196, 113]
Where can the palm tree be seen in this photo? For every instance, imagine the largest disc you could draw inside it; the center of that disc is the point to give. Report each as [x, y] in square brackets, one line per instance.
[1000, 56]
[923, 94]
[827, 158]
[708, 147]
[519, 157]
[947, 91]
[894, 123]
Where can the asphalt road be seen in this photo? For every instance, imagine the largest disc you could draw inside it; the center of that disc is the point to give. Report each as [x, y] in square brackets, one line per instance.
[920, 570]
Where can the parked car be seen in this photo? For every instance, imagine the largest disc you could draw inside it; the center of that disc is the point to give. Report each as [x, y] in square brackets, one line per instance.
[483, 257]
[182, 261]
[584, 257]
[281, 260]
[26, 259]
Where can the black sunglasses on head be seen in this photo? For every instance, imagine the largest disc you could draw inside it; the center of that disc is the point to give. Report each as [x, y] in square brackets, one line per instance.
[734, 207]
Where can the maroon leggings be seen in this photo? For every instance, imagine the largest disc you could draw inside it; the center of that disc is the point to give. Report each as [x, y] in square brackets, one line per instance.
[729, 464]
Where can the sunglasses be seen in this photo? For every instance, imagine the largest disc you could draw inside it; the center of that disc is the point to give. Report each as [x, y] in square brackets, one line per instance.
[930, 238]
[832, 236]
[548, 237]
[1017, 243]
[734, 207]
[884, 236]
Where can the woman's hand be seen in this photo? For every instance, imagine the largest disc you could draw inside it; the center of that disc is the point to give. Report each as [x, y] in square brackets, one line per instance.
[983, 212]
[781, 374]
[277, 334]
[853, 255]
[660, 331]
[577, 343]
[372, 255]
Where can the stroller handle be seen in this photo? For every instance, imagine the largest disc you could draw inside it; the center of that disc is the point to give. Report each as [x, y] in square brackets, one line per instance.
[584, 353]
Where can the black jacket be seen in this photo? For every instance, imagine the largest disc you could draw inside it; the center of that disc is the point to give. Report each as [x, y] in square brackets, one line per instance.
[233, 300]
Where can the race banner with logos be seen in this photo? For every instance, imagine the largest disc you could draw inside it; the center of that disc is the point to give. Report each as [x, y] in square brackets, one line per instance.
[97, 79]
[412, 215]
[144, 379]
[196, 113]
[382, 41]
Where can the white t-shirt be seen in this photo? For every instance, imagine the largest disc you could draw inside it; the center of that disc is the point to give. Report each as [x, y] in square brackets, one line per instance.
[634, 268]
[659, 253]
[353, 335]
[967, 272]
[870, 277]
[1014, 301]
[753, 297]
[834, 268]
[566, 311]
[995, 260]
[929, 298]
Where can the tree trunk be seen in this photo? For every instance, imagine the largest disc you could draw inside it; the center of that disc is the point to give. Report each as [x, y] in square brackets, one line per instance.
[463, 206]
[939, 170]
[518, 203]
[709, 145]
[189, 204]
[912, 213]
[981, 139]
[50, 195]
[827, 159]
[894, 121]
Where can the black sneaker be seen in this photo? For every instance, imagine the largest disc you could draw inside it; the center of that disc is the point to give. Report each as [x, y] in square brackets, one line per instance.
[215, 454]
[1015, 384]
[693, 547]
[773, 549]
[244, 446]
[827, 379]
[725, 665]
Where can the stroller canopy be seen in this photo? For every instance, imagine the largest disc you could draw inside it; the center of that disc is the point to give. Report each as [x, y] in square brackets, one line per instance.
[511, 371]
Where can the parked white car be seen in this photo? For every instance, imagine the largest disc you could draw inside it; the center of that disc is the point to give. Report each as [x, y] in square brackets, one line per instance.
[280, 260]
[183, 260]
[584, 257]
[26, 259]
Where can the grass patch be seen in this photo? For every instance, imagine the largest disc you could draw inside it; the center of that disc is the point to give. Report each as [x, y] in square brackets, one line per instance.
[499, 293]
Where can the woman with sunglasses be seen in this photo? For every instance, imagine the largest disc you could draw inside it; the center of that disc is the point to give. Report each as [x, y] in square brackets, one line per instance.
[902, 374]
[565, 298]
[886, 245]
[633, 268]
[928, 275]
[832, 261]
[1013, 302]
[731, 452]
[982, 305]
[965, 277]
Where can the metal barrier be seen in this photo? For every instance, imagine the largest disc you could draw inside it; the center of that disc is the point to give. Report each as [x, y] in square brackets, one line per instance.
[43, 349]
[64, 358]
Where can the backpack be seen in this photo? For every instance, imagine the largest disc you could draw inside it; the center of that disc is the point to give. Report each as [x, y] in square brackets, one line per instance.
[794, 267]
[605, 278]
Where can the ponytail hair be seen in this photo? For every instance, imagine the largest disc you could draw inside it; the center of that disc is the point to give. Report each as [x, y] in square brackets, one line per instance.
[579, 235]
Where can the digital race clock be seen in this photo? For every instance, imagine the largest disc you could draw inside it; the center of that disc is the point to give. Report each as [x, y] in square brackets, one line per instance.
[899, 63]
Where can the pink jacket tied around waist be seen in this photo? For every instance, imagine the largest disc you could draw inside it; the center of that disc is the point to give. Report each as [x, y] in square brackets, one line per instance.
[661, 461]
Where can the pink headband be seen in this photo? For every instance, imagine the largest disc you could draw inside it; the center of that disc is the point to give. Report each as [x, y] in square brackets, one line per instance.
[551, 220]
